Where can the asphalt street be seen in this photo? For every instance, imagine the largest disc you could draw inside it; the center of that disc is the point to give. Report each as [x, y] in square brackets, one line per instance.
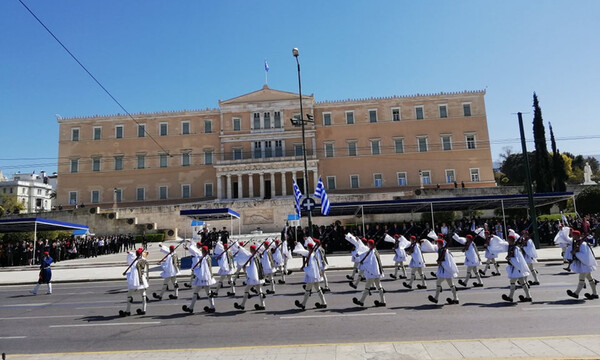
[84, 316]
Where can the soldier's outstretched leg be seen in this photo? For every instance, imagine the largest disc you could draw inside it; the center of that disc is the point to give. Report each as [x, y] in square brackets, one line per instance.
[190, 308]
[381, 301]
[142, 311]
[513, 286]
[580, 286]
[438, 290]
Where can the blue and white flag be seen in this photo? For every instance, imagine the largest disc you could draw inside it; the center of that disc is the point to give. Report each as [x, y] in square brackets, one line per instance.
[266, 65]
[322, 194]
[297, 197]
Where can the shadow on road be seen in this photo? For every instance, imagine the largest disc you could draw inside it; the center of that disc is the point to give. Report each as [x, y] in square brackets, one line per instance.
[99, 318]
[563, 302]
[419, 307]
[500, 304]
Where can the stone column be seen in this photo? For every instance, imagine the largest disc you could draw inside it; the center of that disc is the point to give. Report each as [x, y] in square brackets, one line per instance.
[219, 187]
[316, 177]
[250, 185]
[228, 195]
[283, 184]
[272, 185]
[240, 186]
[262, 185]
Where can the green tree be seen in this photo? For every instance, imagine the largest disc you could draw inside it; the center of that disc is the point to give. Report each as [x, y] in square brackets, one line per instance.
[542, 176]
[588, 201]
[11, 203]
[513, 168]
[559, 174]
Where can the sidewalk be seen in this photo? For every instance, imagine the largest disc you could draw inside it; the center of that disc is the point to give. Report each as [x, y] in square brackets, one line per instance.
[111, 267]
[554, 347]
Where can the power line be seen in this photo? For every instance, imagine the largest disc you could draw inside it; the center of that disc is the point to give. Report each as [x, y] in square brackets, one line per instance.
[89, 73]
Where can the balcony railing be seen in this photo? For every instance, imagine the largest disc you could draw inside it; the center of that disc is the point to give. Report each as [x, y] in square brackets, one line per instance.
[265, 157]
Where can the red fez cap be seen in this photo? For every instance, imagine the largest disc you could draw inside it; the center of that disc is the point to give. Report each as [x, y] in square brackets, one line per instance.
[371, 242]
[317, 241]
[524, 232]
[469, 236]
[253, 247]
[511, 237]
[277, 241]
[440, 235]
[205, 248]
[139, 251]
[440, 241]
[413, 237]
[226, 245]
[311, 245]
[267, 242]
[241, 243]
[172, 247]
[364, 239]
[487, 232]
[199, 244]
[396, 236]
[575, 232]
[46, 253]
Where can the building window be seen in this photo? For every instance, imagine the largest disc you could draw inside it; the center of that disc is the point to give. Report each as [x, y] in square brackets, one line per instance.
[349, 117]
[118, 195]
[163, 192]
[399, 146]
[163, 160]
[208, 157]
[354, 182]
[267, 120]
[237, 153]
[331, 183]
[118, 131]
[95, 164]
[140, 194]
[256, 121]
[207, 126]
[378, 180]
[395, 114]
[258, 150]
[450, 176]
[470, 140]
[141, 130]
[163, 129]
[185, 159]
[97, 132]
[443, 111]
[72, 197]
[326, 119]
[278, 148]
[422, 144]
[474, 175]
[446, 142]
[419, 113]
[426, 177]
[268, 149]
[185, 128]
[329, 150]
[74, 165]
[375, 147]
[95, 197]
[141, 161]
[401, 179]
[467, 109]
[208, 189]
[237, 124]
[119, 162]
[373, 116]
[185, 191]
[298, 150]
[277, 119]
[352, 149]
[75, 134]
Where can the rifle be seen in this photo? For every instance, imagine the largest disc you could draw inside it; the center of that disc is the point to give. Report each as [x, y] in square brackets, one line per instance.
[252, 256]
[130, 265]
[370, 251]
[310, 252]
[163, 259]
[199, 261]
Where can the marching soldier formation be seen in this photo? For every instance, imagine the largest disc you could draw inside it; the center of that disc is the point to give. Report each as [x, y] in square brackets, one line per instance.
[264, 263]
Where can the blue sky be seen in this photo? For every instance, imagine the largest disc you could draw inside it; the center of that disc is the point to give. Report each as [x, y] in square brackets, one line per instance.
[167, 55]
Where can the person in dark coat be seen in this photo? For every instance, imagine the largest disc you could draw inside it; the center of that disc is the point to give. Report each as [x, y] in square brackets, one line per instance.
[45, 273]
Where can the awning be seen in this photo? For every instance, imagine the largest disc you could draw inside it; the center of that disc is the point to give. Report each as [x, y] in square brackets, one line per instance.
[210, 214]
[81, 232]
[39, 224]
[486, 202]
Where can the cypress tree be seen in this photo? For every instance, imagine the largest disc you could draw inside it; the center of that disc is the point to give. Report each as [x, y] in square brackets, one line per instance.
[543, 173]
[559, 174]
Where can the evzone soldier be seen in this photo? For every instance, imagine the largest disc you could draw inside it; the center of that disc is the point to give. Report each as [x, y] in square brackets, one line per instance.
[323, 264]
[45, 275]
[312, 275]
[489, 256]
[472, 260]
[268, 266]
[287, 256]
[359, 246]
[416, 264]
[137, 280]
[583, 262]
[373, 271]
[170, 266]
[226, 268]
[517, 270]
[203, 279]
[194, 262]
[254, 277]
[530, 255]
[400, 243]
[278, 260]
[446, 271]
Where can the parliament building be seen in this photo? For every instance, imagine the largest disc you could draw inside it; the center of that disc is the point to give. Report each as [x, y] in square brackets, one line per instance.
[248, 148]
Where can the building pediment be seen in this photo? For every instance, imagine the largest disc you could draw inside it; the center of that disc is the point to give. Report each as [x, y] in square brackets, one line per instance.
[265, 94]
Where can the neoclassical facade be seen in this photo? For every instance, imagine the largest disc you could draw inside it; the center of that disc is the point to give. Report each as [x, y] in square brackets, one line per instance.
[247, 148]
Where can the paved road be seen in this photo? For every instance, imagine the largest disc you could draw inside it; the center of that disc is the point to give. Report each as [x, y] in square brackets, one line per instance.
[83, 317]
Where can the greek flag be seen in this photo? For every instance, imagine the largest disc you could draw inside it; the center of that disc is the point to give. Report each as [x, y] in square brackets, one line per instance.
[322, 194]
[297, 197]
[266, 65]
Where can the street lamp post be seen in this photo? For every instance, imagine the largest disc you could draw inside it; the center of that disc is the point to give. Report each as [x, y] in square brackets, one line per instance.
[302, 121]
